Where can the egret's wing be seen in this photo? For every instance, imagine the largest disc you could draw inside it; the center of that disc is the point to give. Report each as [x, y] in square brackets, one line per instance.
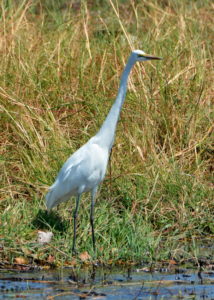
[83, 170]
[67, 180]
[70, 166]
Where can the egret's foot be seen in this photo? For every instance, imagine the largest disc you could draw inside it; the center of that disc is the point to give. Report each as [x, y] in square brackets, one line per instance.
[74, 252]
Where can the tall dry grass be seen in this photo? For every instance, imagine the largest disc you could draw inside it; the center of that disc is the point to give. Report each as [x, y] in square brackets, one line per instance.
[60, 67]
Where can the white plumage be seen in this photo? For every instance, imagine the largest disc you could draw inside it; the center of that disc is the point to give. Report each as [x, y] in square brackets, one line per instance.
[81, 172]
[86, 168]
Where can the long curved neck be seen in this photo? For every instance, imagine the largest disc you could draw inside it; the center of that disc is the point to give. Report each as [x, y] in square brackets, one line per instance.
[107, 131]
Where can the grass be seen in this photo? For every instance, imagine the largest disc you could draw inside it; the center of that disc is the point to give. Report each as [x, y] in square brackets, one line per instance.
[60, 68]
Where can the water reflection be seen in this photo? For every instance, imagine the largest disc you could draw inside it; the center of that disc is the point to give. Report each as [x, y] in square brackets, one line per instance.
[107, 283]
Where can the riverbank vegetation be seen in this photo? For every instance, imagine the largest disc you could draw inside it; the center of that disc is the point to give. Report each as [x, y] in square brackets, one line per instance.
[60, 64]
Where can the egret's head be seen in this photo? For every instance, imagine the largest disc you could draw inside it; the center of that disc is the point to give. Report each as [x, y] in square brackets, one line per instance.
[140, 55]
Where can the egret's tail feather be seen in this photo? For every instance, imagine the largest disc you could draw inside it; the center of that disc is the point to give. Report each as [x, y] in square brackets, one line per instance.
[55, 196]
[50, 200]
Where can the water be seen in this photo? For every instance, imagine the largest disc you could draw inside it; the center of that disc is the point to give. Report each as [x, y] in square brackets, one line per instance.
[106, 283]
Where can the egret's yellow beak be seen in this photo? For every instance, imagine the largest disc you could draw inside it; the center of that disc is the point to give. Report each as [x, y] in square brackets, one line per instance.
[150, 57]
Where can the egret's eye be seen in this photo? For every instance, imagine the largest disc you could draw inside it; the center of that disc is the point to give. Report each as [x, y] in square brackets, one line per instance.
[140, 55]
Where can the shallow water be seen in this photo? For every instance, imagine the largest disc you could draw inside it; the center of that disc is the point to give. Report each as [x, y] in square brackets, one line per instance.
[107, 284]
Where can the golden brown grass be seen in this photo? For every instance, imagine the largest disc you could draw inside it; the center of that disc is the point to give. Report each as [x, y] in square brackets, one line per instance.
[60, 68]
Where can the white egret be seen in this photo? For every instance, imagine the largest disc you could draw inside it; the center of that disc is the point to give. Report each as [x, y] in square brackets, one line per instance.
[86, 168]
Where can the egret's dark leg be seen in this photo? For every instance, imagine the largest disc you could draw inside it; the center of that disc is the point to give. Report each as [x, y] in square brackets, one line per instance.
[93, 195]
[75, 223]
